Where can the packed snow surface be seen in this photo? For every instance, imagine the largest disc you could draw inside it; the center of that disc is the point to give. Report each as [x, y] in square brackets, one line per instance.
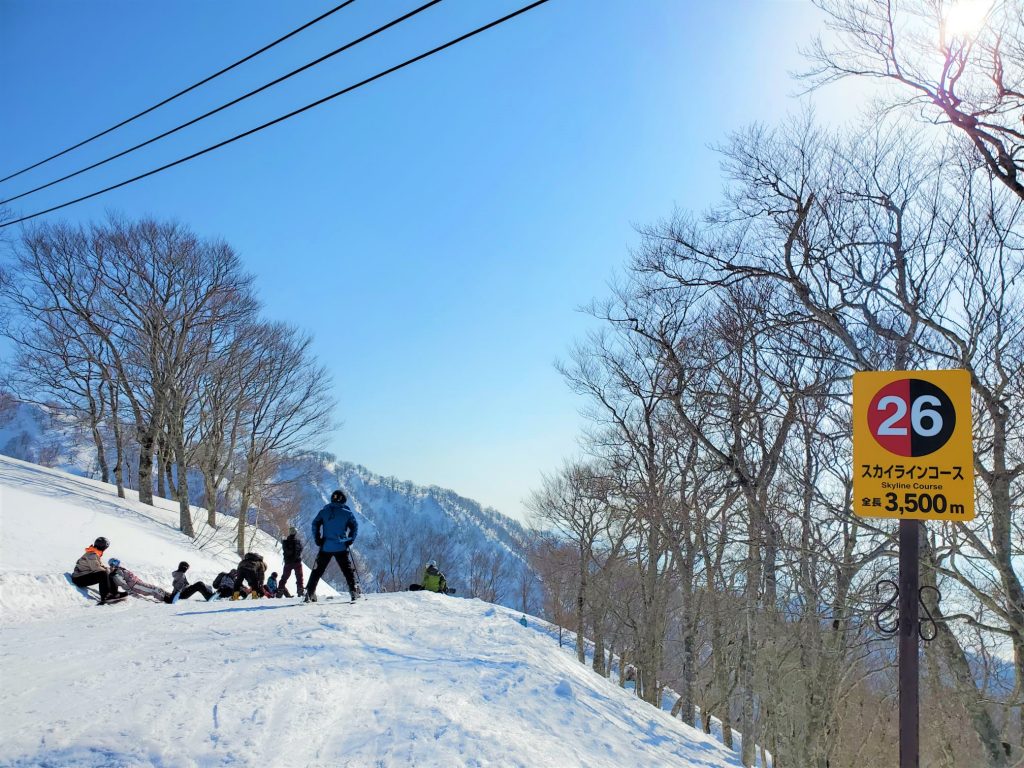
[408, 679]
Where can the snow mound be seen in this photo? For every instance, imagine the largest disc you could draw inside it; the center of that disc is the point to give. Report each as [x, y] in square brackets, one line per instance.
[406, 679]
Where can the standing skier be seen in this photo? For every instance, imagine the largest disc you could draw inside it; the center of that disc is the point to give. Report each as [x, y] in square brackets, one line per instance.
[90, 570]
[334, 530]
[292, 549]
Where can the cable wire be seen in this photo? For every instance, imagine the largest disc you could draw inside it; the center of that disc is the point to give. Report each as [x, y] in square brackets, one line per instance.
[231, 103]
[291, 114]
[169, 99]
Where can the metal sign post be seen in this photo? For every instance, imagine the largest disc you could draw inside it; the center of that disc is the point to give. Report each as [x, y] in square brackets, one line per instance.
[913, 460]
[908, 647]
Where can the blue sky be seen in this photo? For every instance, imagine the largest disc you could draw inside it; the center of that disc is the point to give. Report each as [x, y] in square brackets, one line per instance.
[436, 230]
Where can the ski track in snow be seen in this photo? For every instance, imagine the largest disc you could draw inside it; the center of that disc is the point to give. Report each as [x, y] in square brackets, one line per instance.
[406, 679]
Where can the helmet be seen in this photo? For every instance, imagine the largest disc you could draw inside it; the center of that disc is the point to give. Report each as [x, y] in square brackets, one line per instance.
[432, 564]
[182, 566]
[114, 562]
[339, 497]
[101, 543]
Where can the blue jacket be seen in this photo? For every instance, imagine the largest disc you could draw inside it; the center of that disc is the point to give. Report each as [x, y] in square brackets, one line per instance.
[339, 527]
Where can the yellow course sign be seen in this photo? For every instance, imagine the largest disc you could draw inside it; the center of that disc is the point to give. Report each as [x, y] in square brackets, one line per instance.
[913, 455]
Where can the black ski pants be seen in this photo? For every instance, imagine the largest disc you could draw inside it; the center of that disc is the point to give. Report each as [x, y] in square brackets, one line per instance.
[100, 578]
[191, 589]
[322, 561]
[251, 578]
[288, 568]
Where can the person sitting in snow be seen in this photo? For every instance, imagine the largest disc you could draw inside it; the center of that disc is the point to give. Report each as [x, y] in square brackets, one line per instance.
[277, 590]
[90, 570]
[433, 580]
[252, 570]
[224, 583]
[182, 589]
[334, 531]
[133, 585]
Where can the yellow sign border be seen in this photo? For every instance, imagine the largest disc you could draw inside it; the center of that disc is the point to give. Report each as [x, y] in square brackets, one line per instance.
[887, 485]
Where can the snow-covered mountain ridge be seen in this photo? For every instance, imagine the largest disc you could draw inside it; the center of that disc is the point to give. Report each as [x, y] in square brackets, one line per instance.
[408, 679]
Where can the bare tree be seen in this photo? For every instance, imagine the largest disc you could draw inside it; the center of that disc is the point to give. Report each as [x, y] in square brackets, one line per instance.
[145, 297]
[287, 407]
[572, 502]
[962, 66]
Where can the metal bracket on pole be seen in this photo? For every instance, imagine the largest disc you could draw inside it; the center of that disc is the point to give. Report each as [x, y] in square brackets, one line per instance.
[929, 634]
[888, 625]
[892, 626]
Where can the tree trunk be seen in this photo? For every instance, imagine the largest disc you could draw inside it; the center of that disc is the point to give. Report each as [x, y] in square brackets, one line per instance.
[959, 669]
[998, 482]
[173, 491]
[581, 646]
[598, 662]
[184, 508]
[746, 664]
[146, 441]
[97, 438]
[686, 695]
[161, 464]
[243, 508]
[115, 420]
[119, 466]
[748, 754]
[211, 500]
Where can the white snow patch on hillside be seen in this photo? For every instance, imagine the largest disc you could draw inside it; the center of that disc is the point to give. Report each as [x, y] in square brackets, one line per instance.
[409, 679]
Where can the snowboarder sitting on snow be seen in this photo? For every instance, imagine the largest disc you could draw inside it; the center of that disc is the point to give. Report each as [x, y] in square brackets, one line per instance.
[252, 570]
[334, 530]
[224, 583]
[90, 570]
[292, 549]
[182, 589]
[433, 580]
[133, 585]
[277, 590]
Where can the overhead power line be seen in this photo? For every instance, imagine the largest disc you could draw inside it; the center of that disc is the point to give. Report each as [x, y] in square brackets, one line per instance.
[192, 87]
[291, 114]
[231, 103]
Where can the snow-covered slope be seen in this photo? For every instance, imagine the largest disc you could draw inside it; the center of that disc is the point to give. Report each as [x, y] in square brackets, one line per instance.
[48, 517]
[402, 524]
[404, 679]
